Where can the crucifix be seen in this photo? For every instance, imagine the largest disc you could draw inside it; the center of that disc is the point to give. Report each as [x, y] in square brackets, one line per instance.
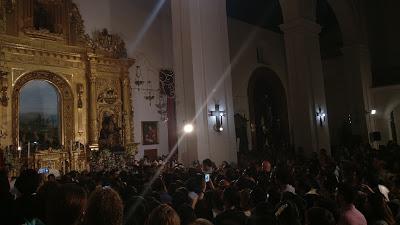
[218, 118]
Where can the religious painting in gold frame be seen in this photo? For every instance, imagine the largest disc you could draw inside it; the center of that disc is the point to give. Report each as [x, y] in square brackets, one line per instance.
[39, 115]
[66, 103]
[149, 132]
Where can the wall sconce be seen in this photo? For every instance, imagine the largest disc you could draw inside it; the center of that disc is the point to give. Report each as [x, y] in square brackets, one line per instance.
[372, 112]
[218, 118]
[321, 116]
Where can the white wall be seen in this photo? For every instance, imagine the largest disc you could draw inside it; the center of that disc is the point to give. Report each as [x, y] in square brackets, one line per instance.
[386, 99]
[244, 39]
[145, 26]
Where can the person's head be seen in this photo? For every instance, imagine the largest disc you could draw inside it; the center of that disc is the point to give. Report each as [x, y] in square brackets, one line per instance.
[286, 213]
[163, 215]
[195, 183]
[181, 196]
[231, 198]
[319, 216]
[28, 182]
[245, 200]
[201, 221]
[207, 165]
[266, 166]
[378, 209]
[346, 194]
[135, 211]
[66, 205]
[51, 177]
[104, 207]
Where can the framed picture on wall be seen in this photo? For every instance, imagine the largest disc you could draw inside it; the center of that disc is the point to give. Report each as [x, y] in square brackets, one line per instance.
[149, 132]
[151, 154]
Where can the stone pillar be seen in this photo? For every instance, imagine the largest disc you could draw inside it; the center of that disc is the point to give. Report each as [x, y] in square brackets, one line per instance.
[306, 84]
[357, 66]
[202, 66]
[93, 122]
[127, 109]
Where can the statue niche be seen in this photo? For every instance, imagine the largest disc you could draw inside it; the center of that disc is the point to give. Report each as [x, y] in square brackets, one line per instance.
[110, 133]
[42, 19]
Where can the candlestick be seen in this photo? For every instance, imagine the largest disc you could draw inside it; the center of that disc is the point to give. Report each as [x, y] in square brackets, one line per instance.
[29, 149]
[19, 151]
[84, 150]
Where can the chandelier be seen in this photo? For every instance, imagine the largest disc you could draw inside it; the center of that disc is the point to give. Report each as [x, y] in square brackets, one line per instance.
[165, 91]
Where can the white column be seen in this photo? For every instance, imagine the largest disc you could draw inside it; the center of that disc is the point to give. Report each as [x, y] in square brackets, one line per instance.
[306, 84]
[202, 67]
[357, 66]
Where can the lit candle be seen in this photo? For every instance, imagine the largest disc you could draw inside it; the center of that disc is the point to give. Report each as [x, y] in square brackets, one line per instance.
[29, 150]
[19, 151]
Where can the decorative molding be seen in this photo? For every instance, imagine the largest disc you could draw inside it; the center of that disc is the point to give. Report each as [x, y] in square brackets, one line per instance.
[108, 96]
[109, 45]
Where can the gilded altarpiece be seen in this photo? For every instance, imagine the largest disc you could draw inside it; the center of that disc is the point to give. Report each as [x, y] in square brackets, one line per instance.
[45, 40]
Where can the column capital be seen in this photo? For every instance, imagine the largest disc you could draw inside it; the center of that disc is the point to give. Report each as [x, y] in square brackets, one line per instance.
[301, 25]
[360, 49]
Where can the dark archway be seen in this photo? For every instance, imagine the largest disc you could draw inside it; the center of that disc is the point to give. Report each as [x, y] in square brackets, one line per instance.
[268, 110]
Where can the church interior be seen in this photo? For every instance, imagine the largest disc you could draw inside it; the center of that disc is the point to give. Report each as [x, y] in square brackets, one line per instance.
[247, 77]
[229, 103]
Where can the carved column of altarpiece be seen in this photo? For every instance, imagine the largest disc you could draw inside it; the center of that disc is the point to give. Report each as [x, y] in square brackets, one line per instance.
[45, 40]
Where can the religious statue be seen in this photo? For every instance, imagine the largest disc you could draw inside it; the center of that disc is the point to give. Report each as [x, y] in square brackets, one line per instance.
[110, 137]
[241, 132]
[42, 19]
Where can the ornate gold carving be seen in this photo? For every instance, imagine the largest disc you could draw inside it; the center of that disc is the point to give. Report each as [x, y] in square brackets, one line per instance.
[43, 34]
[2, 16]
[10, 5]
[50, 159]
[40, 57]
[78, 26]
[4, 88]
[103, 85]
[109, 45]
[108, 96]
[67, 102]
[97, 64]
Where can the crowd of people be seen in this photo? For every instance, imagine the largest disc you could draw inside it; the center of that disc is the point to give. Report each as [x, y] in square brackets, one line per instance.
[357, 186]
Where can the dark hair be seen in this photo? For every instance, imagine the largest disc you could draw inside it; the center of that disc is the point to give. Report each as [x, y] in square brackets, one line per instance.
[28, 182]
[318, 216]
[163, 215]
[231, 197]
[180, 197]
[66, 206]
[348, 192]
[208, 162]
[287, 213]
[379, 209]
[136, 211]
[104, 208]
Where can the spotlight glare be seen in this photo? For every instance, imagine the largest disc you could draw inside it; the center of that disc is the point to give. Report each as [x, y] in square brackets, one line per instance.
[373, 111]
[221, 129]
[188, 128]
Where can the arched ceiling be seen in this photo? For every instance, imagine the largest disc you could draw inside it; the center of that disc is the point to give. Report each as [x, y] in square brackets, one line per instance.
[268, 14]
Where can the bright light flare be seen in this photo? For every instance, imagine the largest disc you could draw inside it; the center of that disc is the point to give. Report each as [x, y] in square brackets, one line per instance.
[188, 128]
